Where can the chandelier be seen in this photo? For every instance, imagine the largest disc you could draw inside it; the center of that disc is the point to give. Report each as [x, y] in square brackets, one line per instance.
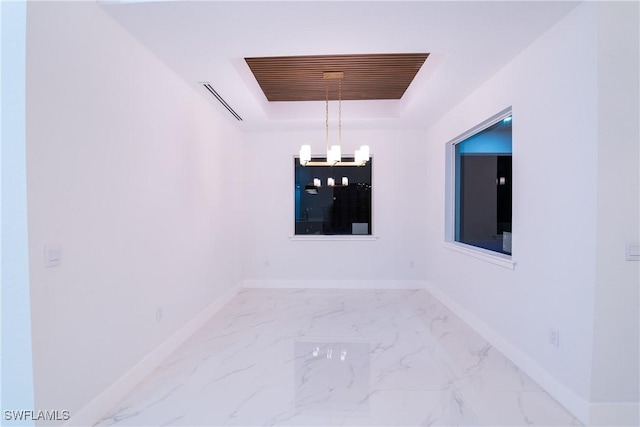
[334, 152]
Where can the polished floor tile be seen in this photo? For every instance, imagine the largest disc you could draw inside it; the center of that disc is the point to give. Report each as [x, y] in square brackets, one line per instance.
[283, 357]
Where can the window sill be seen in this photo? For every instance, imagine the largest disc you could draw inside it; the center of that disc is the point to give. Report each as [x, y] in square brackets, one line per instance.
[502, 260]
[333, 237]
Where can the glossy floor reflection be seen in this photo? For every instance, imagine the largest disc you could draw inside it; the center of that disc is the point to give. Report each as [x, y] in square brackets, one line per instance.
[333, 358]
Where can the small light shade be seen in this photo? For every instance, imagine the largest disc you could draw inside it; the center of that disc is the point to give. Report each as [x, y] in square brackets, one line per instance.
[334, 155]
[305, 154]
[345, 181]
[362, 154]
[316, 182]
[331, 182]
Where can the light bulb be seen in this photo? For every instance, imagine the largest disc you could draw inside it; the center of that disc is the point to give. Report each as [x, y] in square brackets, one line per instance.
[305, 154]
[333, 154]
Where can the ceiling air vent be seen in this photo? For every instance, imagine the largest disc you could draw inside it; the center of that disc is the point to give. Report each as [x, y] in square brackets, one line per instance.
[222, 101]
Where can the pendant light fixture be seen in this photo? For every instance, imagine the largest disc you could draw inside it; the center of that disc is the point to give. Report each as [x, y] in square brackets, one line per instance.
[334, 152]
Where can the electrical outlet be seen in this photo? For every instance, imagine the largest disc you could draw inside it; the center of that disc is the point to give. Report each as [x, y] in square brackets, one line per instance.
[52, 254]
[554, 337]
[158, 314]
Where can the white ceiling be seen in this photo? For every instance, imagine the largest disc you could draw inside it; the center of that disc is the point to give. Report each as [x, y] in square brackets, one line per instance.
[206, 41]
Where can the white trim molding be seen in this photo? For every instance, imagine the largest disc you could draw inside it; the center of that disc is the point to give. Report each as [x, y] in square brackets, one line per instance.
[483, 254]
[334, 284]
[321, 238]
[574, 403]
[92, 412]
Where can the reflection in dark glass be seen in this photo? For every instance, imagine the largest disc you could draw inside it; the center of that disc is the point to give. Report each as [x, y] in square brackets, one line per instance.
[484, 188]
[342, 209]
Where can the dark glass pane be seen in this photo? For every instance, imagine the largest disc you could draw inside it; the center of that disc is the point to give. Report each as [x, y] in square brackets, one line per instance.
[338, 210]
[483, 189]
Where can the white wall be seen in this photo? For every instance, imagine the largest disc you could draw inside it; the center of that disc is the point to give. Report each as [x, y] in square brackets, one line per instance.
[16, 388]
[615, 353]
[131, 173]
[394, 259]
[552, 87]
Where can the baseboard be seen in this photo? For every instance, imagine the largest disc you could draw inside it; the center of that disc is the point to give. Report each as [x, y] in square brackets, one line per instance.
[596, 414]
[91, 413]
[335, 284]
[614, 414]
[575, 404]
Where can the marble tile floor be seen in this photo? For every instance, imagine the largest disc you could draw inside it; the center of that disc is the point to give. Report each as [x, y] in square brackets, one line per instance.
[308, 357]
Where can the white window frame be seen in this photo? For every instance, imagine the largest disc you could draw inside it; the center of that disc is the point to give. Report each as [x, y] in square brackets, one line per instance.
[503, 260]
[337, 237]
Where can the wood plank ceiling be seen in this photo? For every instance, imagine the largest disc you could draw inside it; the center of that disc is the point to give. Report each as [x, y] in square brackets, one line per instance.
[366, 77]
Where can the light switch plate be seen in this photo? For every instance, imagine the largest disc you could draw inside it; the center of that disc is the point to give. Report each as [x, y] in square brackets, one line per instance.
[633, 251]
[52, 255]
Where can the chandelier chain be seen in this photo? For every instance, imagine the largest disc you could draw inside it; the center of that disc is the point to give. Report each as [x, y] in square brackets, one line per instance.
[326, 115]
[334, 152]
[340, 112]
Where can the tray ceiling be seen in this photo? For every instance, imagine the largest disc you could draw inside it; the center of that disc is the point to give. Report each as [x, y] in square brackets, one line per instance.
[208, 41]
[366, 76]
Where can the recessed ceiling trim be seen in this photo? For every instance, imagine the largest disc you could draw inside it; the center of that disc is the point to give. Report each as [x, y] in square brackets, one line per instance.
[366, 76]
